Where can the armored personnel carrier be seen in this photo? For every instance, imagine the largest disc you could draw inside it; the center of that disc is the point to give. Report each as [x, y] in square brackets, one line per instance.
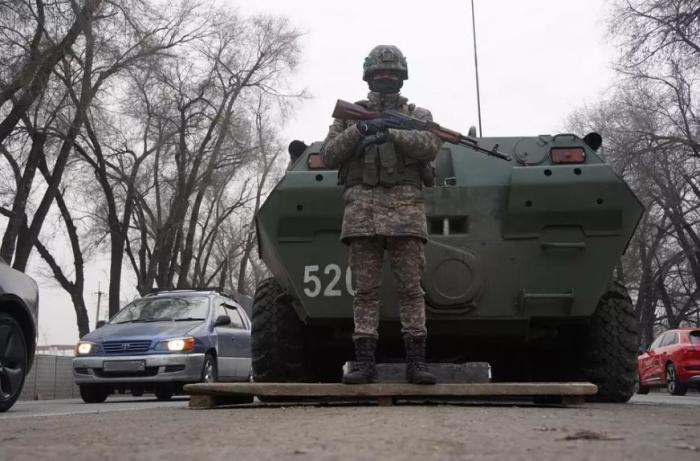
[519, 269]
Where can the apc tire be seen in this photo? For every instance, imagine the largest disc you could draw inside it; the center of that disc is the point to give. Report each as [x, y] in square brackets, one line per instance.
[610, 346]
[13, 361]
[277, 336]
[673, 384]
[94, 393]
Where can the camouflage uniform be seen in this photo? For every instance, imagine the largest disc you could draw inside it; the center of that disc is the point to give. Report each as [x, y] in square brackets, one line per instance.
[383, 218]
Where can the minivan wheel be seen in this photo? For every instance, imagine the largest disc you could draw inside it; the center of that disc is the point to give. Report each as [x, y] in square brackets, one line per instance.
[93, 393]
[13, 361]
[209, 371]
[164, 392]
[673, 385]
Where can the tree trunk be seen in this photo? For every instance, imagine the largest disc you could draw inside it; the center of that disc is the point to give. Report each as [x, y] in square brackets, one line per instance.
[18, 220]
[26, 241]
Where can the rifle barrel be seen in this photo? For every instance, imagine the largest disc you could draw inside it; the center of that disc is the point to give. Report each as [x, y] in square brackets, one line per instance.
[494, 152]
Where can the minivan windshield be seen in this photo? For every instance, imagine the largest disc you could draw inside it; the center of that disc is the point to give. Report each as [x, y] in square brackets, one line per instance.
[162, 309]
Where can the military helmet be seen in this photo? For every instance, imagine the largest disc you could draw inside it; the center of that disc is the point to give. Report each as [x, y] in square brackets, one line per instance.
[385, 57]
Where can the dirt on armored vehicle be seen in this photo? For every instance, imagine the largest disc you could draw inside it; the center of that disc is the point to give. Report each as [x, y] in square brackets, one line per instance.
[519, 269]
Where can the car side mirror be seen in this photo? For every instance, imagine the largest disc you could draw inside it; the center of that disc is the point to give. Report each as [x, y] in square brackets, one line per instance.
[222, 320]
[100, 324]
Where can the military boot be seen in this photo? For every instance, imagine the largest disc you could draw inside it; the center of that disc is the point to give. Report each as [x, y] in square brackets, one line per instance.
[416, 368]
[363, 370]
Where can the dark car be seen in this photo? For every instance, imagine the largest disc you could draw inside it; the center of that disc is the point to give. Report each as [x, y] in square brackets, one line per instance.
[19, 305]
[163, 341]
[672, 360]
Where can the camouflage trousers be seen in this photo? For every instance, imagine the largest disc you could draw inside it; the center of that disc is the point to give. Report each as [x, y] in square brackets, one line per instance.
[407, 262]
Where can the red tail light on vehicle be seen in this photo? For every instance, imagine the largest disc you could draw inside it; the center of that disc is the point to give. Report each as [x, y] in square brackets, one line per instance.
[567, 155]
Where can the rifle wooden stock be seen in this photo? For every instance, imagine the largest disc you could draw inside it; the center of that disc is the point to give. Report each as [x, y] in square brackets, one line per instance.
[349, 111]
[446, 135]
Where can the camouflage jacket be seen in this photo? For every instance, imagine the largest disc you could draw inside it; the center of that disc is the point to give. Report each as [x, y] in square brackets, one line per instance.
[389, 211]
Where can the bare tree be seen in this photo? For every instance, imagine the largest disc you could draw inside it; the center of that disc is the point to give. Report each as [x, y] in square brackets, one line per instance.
[159, 114]
[650, 130]
[198, 118]
[269, 153]
[34, 55]
[34, 52]
[53, 90]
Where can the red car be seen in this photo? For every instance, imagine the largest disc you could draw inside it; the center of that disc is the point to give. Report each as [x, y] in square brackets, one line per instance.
[672, 360]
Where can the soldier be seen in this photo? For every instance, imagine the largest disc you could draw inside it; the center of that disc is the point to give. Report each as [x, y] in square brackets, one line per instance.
[383, 170]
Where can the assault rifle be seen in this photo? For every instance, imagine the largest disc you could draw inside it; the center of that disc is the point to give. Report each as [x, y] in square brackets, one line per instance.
[349, 111]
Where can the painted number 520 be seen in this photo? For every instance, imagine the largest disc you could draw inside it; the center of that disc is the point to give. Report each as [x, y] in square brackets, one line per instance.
[314, 283]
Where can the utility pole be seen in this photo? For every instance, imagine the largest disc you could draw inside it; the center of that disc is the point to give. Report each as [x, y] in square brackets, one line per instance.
[99, 301]
[476, 71]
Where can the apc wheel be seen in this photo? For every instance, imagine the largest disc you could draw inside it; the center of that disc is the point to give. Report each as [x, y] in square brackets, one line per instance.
[93, 393]
[277, 337]
[209, 370]
[611, 342]
[13, 361]
[673, 385]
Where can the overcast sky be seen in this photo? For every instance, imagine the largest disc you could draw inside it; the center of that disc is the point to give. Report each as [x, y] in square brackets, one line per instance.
[538, 61]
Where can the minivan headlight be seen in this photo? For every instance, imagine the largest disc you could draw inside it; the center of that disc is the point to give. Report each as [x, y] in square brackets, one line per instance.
[84, 348]
[177, 344]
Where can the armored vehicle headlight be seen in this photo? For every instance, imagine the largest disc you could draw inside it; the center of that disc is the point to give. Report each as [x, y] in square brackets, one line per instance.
[568, 155]
[315, 162]
[177, 344]
[84, 347]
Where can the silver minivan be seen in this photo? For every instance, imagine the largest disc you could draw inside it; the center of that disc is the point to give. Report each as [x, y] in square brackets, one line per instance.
[165, 340]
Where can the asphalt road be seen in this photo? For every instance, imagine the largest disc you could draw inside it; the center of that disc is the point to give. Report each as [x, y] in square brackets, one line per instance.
[651, 427]
[692, 399]
[68, 407]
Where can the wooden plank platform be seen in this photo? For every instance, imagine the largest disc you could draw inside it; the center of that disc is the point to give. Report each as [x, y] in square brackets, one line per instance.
[218, 394]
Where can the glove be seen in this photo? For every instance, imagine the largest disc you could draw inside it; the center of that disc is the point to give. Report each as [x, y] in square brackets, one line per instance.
[376, 125]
